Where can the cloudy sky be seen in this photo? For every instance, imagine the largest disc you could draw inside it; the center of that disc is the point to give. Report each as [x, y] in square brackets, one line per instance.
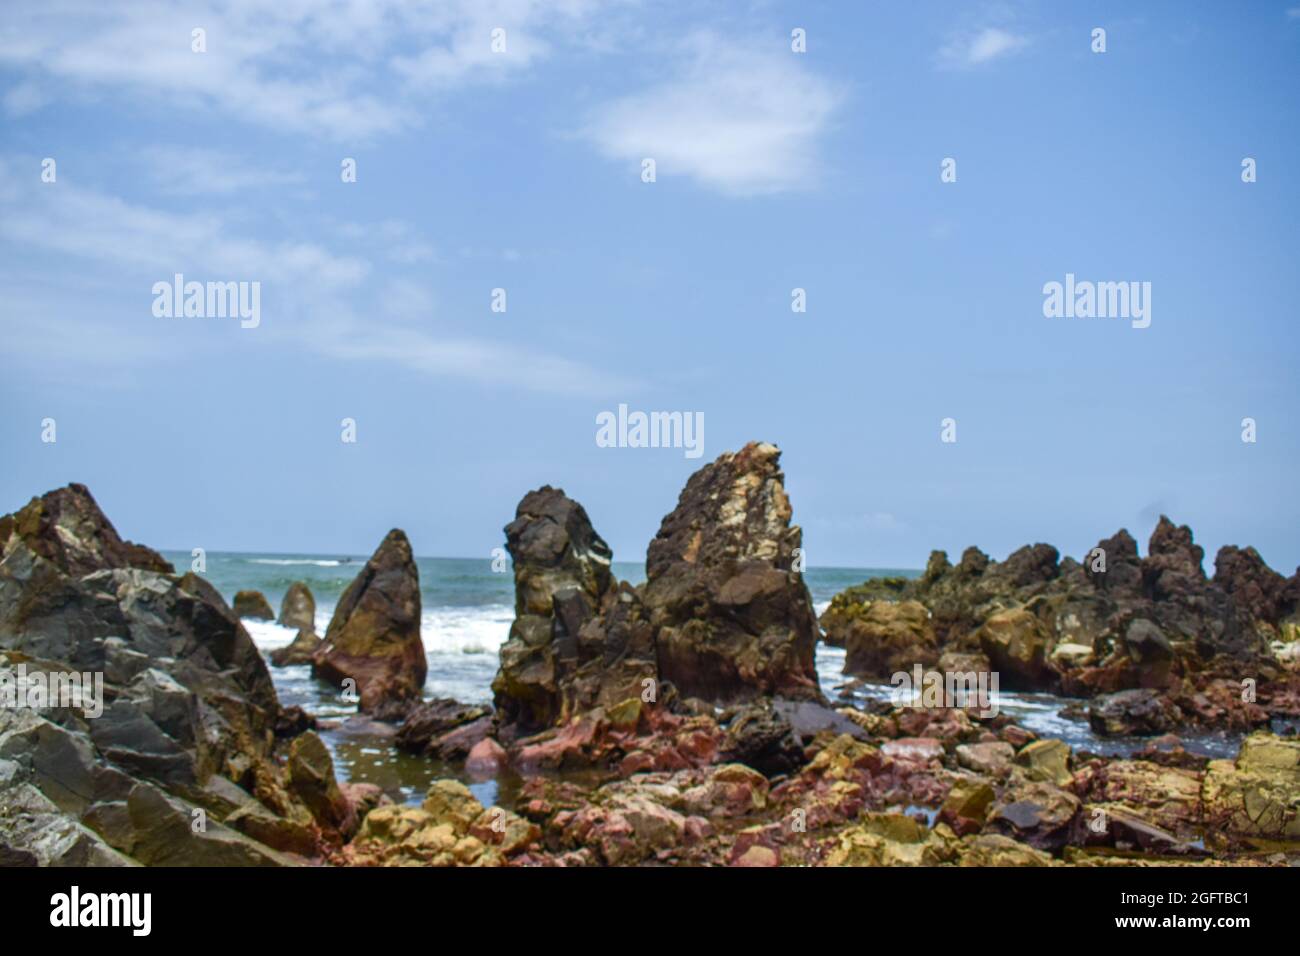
[521, 169]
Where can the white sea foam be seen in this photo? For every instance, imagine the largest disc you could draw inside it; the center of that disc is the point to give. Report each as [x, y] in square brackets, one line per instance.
[268, 635]
[285, 561]
[443, 630]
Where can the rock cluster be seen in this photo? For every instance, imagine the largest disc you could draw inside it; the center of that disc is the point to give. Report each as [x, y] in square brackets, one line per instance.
[173, 754]
[1153, 640]
[722, 617]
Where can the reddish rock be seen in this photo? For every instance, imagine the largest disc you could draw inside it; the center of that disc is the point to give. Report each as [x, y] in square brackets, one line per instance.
[486, 759]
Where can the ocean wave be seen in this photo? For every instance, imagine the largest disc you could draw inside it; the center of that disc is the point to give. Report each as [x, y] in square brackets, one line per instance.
[317, 562]
[443, 630]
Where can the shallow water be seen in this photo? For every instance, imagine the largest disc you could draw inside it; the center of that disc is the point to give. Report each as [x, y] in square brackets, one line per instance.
[467, 613]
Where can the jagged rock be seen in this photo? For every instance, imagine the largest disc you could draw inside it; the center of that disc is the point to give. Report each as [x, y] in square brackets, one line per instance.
[992, 849]
[253, 604]
[722, 617]
[562, 577]
[298, 608]
[67, 528]
[1142, 712]
[1257, 590]
[451, 828]
[888, 638]
[731, 618]
[1112, 621]
[1122, 574]
[374, 635]
[188, 715]
[301, 650]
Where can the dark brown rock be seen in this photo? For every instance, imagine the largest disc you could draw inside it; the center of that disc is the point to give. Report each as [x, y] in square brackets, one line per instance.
[428, 722]
[732, 619]
[374, 635]
[562, 581]
[253, 604]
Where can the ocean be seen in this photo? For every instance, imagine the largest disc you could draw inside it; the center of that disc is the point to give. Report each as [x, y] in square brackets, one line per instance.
[467, 611]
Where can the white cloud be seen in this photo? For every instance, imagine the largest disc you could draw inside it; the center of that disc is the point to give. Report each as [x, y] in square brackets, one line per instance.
[745, 120]
[190, 172]
[343, 69]
[331, 303]
[981, 46]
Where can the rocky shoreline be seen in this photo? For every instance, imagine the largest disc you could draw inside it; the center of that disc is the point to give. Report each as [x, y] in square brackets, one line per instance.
[678, 721]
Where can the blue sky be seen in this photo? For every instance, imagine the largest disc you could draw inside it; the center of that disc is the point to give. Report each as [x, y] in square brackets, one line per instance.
[775, 170]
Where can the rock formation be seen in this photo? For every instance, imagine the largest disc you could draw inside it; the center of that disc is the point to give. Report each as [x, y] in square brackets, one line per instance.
[373, 638]
[1111, 622]
[253, 604]
[723, 615]
[732, 619]
[298, 608]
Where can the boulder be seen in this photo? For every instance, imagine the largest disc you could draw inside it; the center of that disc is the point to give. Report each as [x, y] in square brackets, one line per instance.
[888, 638]
[429, 721]
[1038, 814]
[967, 805]
[1017, 645]
[991, 758]
[761, 737]
[1141, 712]
[847, 606]
[311, 778]
[253, 604]
[373, 638]
[732, 618]
[1257, 796]
[1047, 760]
[298, 608]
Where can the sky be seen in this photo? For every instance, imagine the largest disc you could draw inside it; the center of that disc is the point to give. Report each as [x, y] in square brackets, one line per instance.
[501, 146]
